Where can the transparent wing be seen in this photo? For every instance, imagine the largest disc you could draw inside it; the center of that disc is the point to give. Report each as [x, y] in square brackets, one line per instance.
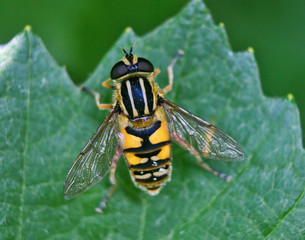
[206, 139]
[95, 160]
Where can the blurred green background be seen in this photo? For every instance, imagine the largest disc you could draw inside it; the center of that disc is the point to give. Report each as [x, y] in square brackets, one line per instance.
[78, 33]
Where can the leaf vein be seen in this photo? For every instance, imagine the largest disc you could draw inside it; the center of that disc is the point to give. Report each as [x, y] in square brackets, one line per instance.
[286, 213]
[28, 101]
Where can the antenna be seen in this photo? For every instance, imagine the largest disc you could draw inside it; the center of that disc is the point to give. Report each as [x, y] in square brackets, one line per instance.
[131, 48]
[122, 49]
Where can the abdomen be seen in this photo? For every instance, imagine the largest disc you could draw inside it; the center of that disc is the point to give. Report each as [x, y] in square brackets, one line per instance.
[148, 155]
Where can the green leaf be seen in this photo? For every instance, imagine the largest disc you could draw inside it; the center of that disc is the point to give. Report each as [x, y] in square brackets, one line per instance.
[45, 121]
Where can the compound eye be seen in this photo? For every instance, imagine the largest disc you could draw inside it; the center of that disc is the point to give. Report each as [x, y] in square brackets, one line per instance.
[118, 70]
[144, 65]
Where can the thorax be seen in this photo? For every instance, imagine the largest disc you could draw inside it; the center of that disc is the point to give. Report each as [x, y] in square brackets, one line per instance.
[137, 97]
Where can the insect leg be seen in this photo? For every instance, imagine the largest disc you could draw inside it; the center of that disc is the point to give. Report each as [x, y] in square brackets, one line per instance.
[115, 161]
[171, 73]
[97, 97]
[184, 144]
[107, 85]
[156, 72]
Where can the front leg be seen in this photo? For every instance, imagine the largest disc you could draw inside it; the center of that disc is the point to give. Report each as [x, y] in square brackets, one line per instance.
[107, 85]
[97, 97]
[171, 73]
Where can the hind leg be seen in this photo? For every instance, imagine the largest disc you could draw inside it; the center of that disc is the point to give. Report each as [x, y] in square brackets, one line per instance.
[202, 164]
[115, 161]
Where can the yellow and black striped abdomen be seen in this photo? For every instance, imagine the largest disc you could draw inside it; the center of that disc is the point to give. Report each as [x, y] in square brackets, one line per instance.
[148, 154]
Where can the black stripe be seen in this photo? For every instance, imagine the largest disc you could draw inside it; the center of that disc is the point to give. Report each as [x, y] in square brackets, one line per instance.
[149, 94]
[147, 147]
[126, 99]
[152, 188]
[151, 179]
[137, 95]
[148, 155]
[150, 164]
[144, 133]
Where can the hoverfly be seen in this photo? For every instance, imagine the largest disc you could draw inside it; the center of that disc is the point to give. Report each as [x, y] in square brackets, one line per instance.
[141, 124]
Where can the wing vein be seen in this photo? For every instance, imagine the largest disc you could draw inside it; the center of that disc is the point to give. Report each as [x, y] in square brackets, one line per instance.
[95, 159]
[209, 141]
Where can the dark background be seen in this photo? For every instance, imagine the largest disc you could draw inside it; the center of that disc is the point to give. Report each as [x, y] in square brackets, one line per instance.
[78, 33]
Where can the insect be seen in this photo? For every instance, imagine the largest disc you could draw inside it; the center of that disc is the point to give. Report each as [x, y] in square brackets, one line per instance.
[141, 125]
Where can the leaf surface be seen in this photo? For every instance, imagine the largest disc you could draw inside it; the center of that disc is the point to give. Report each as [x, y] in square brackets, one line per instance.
[46, 120]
